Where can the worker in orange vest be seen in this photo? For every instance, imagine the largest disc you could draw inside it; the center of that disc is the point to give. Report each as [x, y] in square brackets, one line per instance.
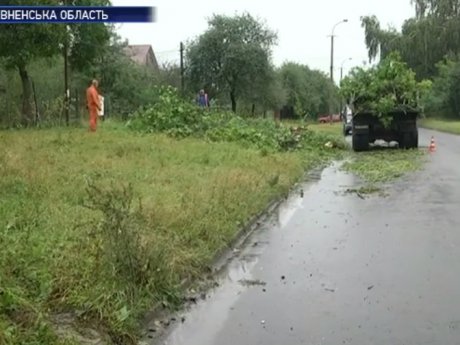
[93, 104]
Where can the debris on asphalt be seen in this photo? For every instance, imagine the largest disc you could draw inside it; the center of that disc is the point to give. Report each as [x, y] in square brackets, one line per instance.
[193, 300]
[248, 282]
[283, 277]
[182, 319]
[329, 290]
[264, 290]
[370, 287]
[262, 322]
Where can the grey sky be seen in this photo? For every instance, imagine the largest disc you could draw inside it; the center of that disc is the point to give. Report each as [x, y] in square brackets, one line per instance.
[302, 26]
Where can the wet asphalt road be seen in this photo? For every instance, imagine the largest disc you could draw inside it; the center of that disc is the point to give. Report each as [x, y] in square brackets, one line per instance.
[338, 269]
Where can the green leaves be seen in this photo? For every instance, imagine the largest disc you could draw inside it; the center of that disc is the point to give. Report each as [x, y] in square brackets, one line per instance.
[232, 56]
[445, 95]
[389, 86]
[178, 118]
[308, 91]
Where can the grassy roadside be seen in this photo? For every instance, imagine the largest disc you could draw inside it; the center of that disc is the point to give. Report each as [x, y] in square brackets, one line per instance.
[326, 128]
[333, 129]
[448, 126]
[109, 225]
[382, 166]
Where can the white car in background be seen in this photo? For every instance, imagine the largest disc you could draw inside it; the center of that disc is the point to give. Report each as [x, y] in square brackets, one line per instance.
[347, 116]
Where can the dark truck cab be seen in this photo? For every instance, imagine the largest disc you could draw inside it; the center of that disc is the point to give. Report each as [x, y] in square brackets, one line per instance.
[367, 128]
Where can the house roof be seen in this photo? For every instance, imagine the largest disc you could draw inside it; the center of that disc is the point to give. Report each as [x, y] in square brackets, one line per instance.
[138, 52]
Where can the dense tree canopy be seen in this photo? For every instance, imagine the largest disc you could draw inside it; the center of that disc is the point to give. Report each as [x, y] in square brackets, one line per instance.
[20, 44]
[423, 41]
[232, 56]
[308, 91]
[389, 86]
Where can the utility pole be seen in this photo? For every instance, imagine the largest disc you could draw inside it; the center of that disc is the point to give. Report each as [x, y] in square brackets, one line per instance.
[182, 81]
[332, 47]
[332, 57]
[66, 83]
[66, 74]
[341, 77]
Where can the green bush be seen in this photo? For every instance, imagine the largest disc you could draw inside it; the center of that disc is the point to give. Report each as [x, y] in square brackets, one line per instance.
[385, 88]
[172, 115]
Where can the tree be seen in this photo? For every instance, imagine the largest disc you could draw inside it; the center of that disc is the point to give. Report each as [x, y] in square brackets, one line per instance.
[440, 8]
[170, 74]
[125, 84]
[445, 98]
[265, 96]
[232, 56]
[21, 44]
[389, 86]
[307, 91]
[87, 43]
[379, 42]
[424, 40]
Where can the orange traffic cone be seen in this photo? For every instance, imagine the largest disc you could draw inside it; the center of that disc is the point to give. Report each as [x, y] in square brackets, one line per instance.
[432, 147]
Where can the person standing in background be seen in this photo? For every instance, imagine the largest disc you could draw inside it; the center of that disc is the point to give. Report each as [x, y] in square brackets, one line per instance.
[202, 99]
[93, 104]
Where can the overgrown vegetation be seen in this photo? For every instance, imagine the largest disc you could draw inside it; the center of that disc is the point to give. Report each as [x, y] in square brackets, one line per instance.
[107, 226]
[113, 231]
[232, 61]
[385, 165]
[178, 118]
[443, 125]
[388, 87]
[428, 39]
[308, 92]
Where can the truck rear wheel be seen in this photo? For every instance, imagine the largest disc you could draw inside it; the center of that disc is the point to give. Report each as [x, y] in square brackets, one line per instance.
[360, 142]
[414, 140]
[409, 140]
[404, 140]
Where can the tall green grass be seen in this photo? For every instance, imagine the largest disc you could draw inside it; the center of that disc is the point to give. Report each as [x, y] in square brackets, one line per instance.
[110, 224]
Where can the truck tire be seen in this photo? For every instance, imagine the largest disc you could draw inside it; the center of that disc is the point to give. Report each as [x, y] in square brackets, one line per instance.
[360, 142]
[408, 140]
[414, 140]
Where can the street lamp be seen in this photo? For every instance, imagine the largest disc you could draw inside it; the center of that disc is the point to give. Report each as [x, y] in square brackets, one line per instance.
[332, 46]
[341, 67]
[341, 76]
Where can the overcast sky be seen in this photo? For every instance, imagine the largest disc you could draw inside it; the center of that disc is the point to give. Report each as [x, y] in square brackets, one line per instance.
[302, 26]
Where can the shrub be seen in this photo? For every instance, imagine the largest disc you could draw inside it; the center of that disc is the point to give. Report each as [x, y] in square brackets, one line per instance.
[174, 116]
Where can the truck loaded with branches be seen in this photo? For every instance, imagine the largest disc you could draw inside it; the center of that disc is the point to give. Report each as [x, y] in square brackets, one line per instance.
[385, 101]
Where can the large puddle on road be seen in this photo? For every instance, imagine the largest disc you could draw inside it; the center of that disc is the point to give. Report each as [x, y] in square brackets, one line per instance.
[204, 319]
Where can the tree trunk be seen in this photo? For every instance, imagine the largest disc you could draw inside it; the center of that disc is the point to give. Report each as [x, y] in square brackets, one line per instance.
[233, 99]
[253, 110]
[27, 108]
